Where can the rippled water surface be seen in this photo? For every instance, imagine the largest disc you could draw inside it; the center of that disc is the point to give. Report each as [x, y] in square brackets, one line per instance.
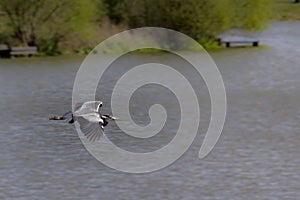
[257, 156]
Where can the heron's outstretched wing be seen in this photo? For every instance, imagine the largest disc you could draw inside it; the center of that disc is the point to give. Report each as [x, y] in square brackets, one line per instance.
[92, 130]
[87, 107]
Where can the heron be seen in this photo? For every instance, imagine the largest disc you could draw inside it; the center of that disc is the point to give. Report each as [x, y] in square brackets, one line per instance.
[90, 120]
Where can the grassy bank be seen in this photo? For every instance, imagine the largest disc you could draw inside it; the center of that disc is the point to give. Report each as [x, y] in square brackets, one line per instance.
[286, 10]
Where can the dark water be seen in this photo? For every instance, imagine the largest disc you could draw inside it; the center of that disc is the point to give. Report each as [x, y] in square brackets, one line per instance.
[257, 156]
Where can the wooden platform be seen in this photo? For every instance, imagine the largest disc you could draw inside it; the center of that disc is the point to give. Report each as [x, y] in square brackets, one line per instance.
[15, 51]
[6, 52]
[240, 43]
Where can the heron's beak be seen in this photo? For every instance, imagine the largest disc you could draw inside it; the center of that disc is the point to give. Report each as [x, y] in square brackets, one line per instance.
[114, 118]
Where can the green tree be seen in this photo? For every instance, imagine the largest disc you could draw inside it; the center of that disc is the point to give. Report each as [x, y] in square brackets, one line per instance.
[200, 19]
[113, 11]
[251, 15]
[32, 21]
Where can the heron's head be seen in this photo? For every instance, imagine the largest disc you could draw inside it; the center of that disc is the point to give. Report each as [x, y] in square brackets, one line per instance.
[109, 117]
[55, 118]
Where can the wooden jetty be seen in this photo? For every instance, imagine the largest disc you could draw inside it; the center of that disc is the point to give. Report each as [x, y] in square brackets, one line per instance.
[236, 43]
[6, 52]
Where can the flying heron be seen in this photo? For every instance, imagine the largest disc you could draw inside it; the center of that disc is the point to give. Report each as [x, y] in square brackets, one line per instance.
[91, 122]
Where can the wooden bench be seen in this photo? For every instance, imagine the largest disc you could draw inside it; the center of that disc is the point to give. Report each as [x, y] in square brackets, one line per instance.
[17, 51]
[6, 52]
[243, 43]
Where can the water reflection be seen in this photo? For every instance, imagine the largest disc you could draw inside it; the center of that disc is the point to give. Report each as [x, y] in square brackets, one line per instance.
[257, 156]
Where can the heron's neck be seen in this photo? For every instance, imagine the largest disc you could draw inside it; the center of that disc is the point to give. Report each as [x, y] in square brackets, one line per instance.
[105, 122]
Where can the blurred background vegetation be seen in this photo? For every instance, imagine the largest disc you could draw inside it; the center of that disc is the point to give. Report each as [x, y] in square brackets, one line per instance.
[76, 26]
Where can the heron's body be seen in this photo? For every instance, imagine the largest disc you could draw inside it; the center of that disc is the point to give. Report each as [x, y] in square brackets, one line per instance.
[90, 120]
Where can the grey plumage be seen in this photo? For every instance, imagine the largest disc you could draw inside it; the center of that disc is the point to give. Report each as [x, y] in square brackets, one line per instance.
[90, 120]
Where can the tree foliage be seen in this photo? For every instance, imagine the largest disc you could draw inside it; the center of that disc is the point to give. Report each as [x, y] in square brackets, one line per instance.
[252, 14]
[31, 21]
[46, 23]
[197, 18]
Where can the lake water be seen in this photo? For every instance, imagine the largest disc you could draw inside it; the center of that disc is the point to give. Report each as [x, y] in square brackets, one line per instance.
[257, 156]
